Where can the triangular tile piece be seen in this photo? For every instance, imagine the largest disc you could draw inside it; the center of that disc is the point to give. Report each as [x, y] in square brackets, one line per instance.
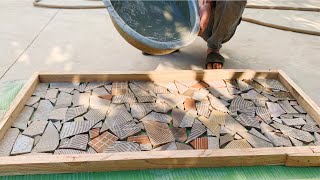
[182, 146]
[213, 143]
[189, 104]
[253, 95]
[43, 111]
[95, 115]
[239, 103]
[21, 121]
[249, 111]
[203, 108]
[167, 147]
[99, 91]
[41, 90]
[119, 115]
[58, 114]
[171, 99]
[233, 125]
[263, 113]
[243, 86]
[218, 117]
[32, 100]
[296, 142]
[200, 95]
[225, 139]
[285, 105]
[159, 117]
[181, 88]
[161, 107]
[123, 146]
[35, 128]
[145, 85]
[75, 127]
[141, 139]
[22, 145]
[102, 142]
[146, 147]
[255, 141]
[299, 109]
[188, 119]
[213, 126]
[119, 87]
[138, 91]
[79, 99]
[248, 121]
[68, 151]
[294, 122]
[275, 109]
[7, 142]
[180, 134]
[124, 130]
[63, 100]
[217, 104]
[140, 110]
[278, 140]
[177, 116]
[75, 112]
[293, 132]
[197, 130]
[159, 133]
[49, 141]
[238, 144]
[78, 142]
[51, 94]
[311, 128]
[169, 85]
[200, 143]
[271, 84]
[93, 133]
[253, 131]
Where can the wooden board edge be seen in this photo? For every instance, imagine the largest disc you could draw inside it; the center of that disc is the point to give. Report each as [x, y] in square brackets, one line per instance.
[40, 164]
[18, 103]
[203, 75]
[303, 99]
[303, 159]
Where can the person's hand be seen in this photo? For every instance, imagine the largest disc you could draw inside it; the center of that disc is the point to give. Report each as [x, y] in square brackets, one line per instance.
[204, 12]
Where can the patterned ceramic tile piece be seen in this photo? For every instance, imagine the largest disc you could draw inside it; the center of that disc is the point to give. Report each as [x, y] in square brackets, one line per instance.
[200, 85]
[32, 100]
[310, 120]
[188, 119]
[216, 83]
[7, 142]
[255, 141]
[49, 141]
[145, 85]
[189, 104]
[190, 92]
[259, 103]
[252, 94]
[213, 126]
[233, 125]
[271, 98]
[99, 91]
[200, 95]
[213, 143]
[167, 147]
[146, 99]
[299, 109]
[296, 142]
[51, 94]
[137, 91]
[217, 104]
[102, 142]
[79, 99]
[181, 88]
[310, 128]
[200, 143]
[119, 87]
[92, 85]
[58, 125]
[239, 103]
[253, 131]
[139, 110]
[75, 127]
[78, 142]
[182, 146]
[177, 116]
[58, 114]
[238, 144]
[275, 109]
[141, 139]
[249, 111]
[159, 133]
[295, 133]
[63, 100]
[93, 133]
[271, 83]
[263, 113]
[35, 128]
[68, 151]
[282, 95]
[22, 145]
[168, 85]
[225, 139]
[41, 90]
[171, 99]
[122, 146]
[278, 140]
[124, 98]
[294, 122]
[22, 120]
[146, 147]
[159, 117]
[285, 105]
[248, 121]
[98, 103]
[74, 112]
[243, 86]
[124, 130]
[161, 107]
[203, 108]
[180, 134]
[95, 115]
[119, 115]
[43, 111]
[197, 130]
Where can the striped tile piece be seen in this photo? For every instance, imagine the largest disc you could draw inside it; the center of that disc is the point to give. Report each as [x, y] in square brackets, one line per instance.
[238, 144]
[254, 140]
[294, 122]
[219, 92]
[160, 90]
[183, 146]
[161, 107]
[159, 117]
[41, 90]
[43, 111]
[74, 112]
[7, 142]
[243, 86]
[119, 115]
[285, 105]
[263, 113]
[249, 111]
[102, 142]
[95, 115]
[124, 98]
[124, 130]
[171, 99]
[63, 100]
[68, 151]
[49, 141]
[78, 142]
[94, 132]
[159, 133]
[310, 120]
[22, 145]
[296, 142]
[75, 127]
[79, 99]
[90, 150]
[167, 147]
[213, 143]
[145, 85]
[106, 97]
[197, 130]
[51, 94]
[239, 103]
[282, 95]
[253, 131]
[217, 104]
[169, 85]
[138, 91]
[233, 125]
[271, 84]
[278, 140]
[259, 103]
[58, 114]
[266, 128]
[123, 146]
[247, 121]
[271, 98]
[188, 119]
[275, 109]
[203, 108]
[177, 116]
[259, 88]
[141, 139]
[224, 130]
[35, 128]
[21, 121]
[189, 104]
[200, 95]
[99, 91]
[180, 134]
[119, 87]
[188, 83]
[92, 85]
[181, 88]
[213, 126]
[98, 103]
[140, 110]
[146, 99]
[293, 132]
[299, 109]
[200, 143]
[32, 100]
[253, 95]
[310, 128]
[225, 139]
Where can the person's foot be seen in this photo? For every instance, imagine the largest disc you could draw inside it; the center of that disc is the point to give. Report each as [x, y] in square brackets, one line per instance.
[213, 65]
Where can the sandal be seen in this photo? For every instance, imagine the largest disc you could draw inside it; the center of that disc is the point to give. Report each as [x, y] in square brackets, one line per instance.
[214, 57]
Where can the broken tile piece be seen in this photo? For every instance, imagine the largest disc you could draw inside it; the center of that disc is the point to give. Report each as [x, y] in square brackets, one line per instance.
[137, 91]
[203, 108]
[58, 114]
[285, 105]
[51, 94]
[243, 86]
[139, 110]
[145, 99]
[41, 90]
[93, 133]
[255, 141]
[124, 130]
[239, 103]
[263, 113]
[22, 145]
[7, 142]
[181, 88]
[197, 130]
[75, 112]
[200, 95]
[294, 122]
[219, 83]
[63, 100]
[161, 107]
[189, 93]
[146, 147]
[200, 143]
[299, 109]
[259, 103]
[58, 125]
[249, 111]
[99, 91]
[102, 142]
[217, 104]
[106, 97]
[167, 147]
[159, 117]
[182, 146]
[271, 84]
[68, 151]
[310, 128]
[81, 99]
[92, 85]
[200, 85]
[213, 143]
[188, 119]
[122, 146]
[225, 139]
[247, 121]
[141, 139]
[49, 141]
[253, 131]
[253, 95]
[233, 125]
[119, 87]
[189, 104]
[180, 134]
[177, 116]
[213, 126]
[98, 103]
[35, 128]
[159, 133]
[75, 127]
[22, 120]
[124, 98]
[218, 117]
[275, 109]
[295, 133]
[296, 142]
[282, 95]
[278, 140]
[119, 115]
[32, 100]
[78, 142]
[171, 99]
[95, 115]
[43, 111]
[238, 144]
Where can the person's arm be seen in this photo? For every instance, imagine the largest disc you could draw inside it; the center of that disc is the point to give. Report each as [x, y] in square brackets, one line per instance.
[205, 7]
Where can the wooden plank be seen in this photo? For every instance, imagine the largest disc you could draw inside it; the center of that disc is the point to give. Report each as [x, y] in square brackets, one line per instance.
[203, 75]
[303, 159]
[141, 160]
[18, 104]
[303, 99]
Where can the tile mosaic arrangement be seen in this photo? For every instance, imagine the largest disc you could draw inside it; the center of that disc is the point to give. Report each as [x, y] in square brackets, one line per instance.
[128, 116]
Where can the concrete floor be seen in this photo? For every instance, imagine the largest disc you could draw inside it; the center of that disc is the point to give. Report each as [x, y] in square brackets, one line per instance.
[36, 39]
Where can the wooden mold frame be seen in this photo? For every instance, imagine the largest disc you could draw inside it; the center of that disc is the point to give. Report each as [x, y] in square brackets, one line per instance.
[41, 164]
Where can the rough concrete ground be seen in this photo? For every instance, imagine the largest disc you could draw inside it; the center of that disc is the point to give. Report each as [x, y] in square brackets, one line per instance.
[37, 39]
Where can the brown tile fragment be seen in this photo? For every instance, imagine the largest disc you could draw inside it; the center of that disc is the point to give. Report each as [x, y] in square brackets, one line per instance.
[159, 133]
[93, 133]
[200, 143]
[189, 104]
[180, 134]
[101, 142]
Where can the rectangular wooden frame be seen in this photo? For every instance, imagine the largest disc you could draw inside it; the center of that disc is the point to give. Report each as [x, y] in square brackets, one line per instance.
[39, 164]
